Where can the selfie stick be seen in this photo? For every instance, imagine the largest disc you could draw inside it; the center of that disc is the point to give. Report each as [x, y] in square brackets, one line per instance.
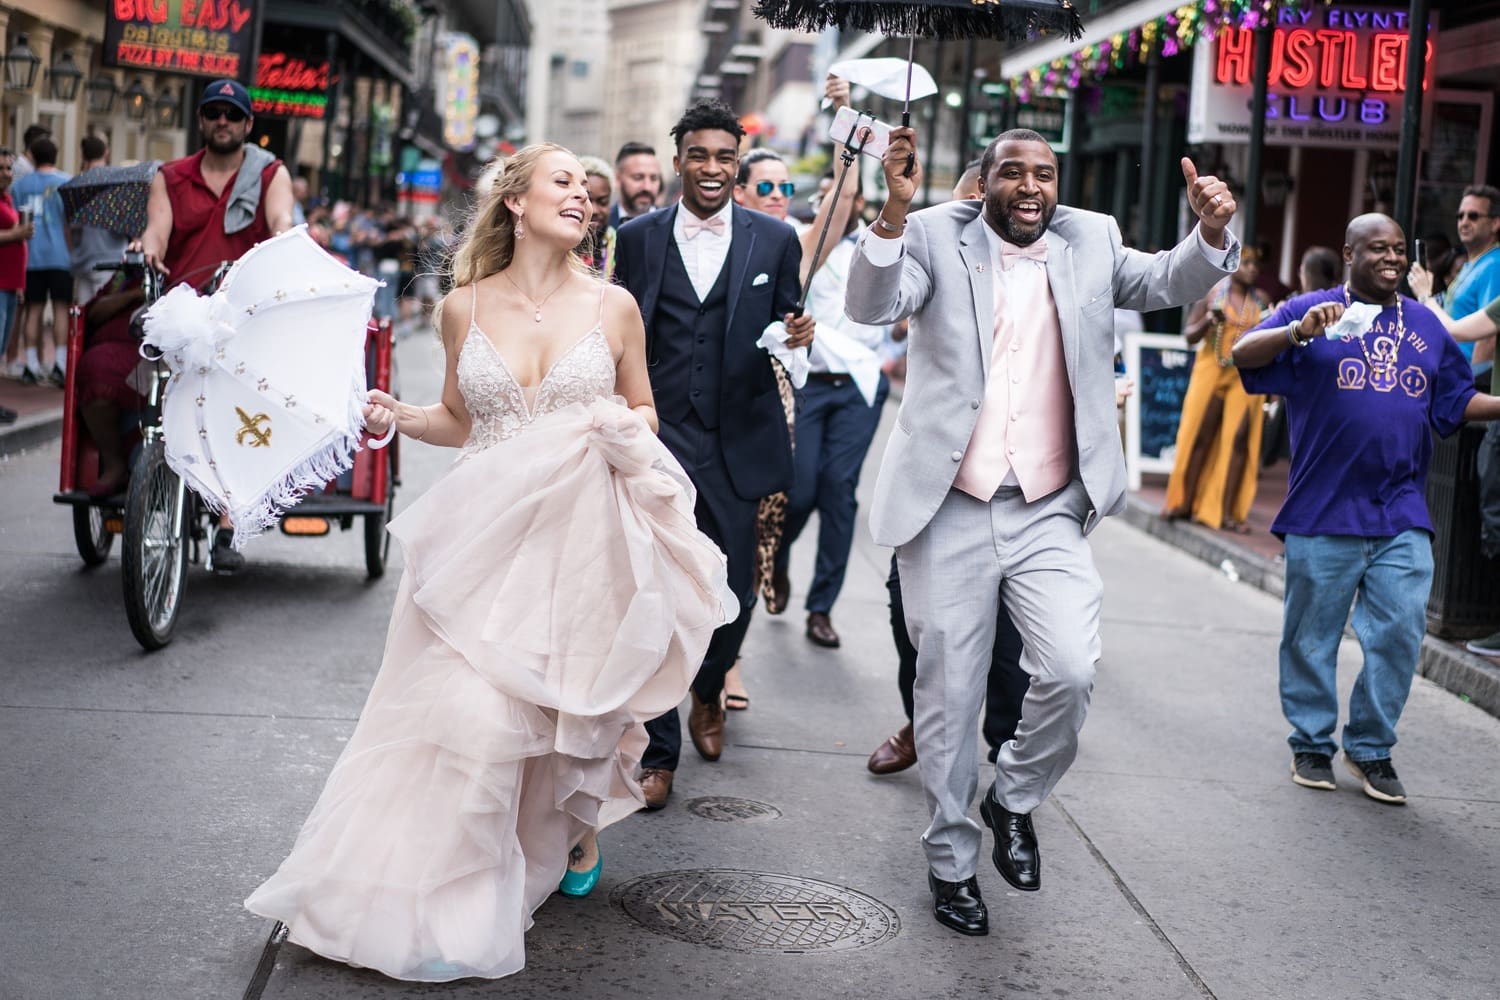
[846, 159]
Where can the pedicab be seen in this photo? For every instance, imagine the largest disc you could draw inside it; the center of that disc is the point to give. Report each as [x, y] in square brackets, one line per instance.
[162, 519]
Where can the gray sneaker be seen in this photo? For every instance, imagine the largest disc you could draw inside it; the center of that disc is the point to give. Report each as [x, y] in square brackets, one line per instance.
[1381, 783]
[1488, 646]
[1313, 770]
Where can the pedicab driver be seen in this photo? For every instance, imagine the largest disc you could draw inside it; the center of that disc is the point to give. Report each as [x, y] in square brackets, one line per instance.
[212, 207]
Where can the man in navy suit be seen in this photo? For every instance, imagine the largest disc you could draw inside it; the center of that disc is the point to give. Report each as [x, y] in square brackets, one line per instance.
[709, 277]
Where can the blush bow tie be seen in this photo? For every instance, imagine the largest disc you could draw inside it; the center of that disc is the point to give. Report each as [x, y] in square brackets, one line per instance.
[692, 225]
[1010, 253]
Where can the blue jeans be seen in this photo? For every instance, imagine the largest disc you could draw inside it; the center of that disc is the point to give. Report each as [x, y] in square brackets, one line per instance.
[8, 310]
[1387, 580]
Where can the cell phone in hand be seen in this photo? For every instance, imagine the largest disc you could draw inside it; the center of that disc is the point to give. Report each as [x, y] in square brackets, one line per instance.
[849, 125]
[1419, 252]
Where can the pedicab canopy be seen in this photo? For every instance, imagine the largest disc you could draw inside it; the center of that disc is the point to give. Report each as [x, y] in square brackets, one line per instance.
[267, 390]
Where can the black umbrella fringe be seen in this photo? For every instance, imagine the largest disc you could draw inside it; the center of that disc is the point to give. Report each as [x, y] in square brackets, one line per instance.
[1011, 20]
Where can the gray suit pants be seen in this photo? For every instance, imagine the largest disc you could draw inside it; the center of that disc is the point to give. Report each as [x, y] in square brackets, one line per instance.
[954, 573]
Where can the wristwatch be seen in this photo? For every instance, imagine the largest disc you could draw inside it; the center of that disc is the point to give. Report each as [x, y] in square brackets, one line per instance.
[889, 227]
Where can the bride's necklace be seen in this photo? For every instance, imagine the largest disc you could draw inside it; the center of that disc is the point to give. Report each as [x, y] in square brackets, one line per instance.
[538, 305]
[1382, 364]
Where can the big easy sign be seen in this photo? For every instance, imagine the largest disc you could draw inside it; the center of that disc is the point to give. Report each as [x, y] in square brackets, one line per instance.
[211, 38]
[1338, 77]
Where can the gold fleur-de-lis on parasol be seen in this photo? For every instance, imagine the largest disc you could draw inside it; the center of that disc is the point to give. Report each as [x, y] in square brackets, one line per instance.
[251, 434]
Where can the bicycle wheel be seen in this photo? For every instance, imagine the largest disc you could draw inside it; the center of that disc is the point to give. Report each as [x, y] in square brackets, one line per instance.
[93, 539]
[154, 551]
[377, 539]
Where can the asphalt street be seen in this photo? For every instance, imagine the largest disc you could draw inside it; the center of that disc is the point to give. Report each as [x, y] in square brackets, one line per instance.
[143, 796]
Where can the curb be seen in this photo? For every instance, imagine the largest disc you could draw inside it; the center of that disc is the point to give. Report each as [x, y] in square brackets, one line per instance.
[31, 431]
[1471, 678]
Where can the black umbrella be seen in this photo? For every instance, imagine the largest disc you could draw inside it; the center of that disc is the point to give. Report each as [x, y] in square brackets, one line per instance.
[1012, 20]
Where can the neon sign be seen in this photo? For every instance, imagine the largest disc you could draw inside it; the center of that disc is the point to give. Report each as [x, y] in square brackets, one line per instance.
[1337, 77]
[287, 87]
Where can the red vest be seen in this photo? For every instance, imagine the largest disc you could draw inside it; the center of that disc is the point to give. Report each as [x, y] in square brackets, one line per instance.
[198, 242]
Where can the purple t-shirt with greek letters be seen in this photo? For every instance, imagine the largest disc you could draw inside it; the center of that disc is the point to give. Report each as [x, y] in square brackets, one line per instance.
[1361, 420]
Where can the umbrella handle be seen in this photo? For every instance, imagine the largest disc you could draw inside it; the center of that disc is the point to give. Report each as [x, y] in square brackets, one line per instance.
[384, 439]
[911, 55]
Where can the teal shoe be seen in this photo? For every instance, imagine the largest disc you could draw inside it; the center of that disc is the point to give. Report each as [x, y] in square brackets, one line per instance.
[580, 884]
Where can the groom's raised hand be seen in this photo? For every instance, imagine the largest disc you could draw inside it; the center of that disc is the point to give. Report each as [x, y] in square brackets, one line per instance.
[1211, 201]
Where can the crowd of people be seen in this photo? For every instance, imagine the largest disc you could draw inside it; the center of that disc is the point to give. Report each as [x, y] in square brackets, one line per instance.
[650, 401]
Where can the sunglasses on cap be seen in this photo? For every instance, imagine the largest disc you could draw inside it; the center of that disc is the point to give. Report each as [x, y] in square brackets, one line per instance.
[764, 188]
[228, 112]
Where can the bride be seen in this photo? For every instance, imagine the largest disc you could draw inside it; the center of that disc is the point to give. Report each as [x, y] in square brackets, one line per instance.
[556, 594]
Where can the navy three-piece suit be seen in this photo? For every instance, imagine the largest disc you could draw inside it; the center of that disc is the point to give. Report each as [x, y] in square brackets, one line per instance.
[716, 399]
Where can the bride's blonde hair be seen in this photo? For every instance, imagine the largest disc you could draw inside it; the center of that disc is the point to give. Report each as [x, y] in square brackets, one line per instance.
[489, 243]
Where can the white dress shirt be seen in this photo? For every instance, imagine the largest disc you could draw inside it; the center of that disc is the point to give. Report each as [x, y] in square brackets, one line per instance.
[703, 256]
[842, 346]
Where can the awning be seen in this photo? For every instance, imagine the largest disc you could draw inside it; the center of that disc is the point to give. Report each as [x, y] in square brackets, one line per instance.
[1096, 28]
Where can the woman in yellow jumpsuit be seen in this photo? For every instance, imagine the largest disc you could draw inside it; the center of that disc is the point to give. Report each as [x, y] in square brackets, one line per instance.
[1218, 438]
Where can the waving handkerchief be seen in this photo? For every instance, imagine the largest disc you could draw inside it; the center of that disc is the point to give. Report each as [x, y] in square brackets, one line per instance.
[793, 359]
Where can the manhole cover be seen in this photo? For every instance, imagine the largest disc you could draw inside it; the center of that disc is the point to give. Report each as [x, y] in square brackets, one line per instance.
[755, 911]
[726, 809]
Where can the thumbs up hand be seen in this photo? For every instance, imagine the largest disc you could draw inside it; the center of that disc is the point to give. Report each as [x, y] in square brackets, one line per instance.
[1211, 201]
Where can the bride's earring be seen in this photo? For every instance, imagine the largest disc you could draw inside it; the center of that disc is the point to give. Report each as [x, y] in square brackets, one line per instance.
[520, 229]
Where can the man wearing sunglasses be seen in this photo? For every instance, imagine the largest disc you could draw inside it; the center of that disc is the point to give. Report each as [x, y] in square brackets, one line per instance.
[764, 185]
[1478, 283]
[212, 207]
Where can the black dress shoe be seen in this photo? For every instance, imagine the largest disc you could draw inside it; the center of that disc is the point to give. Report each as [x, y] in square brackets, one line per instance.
[958, 905]
[1016, 854]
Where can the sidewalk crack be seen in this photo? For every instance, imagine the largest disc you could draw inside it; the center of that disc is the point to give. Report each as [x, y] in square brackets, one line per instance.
[1135, 904]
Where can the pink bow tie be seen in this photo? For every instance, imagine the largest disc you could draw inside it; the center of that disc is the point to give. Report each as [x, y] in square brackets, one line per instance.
[1010, 253]
[692, 225]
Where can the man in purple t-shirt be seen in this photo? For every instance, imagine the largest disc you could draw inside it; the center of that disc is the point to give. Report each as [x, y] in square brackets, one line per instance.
[1361, 411]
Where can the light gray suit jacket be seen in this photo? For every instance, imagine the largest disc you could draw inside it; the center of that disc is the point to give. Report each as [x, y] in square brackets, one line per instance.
[943, 283]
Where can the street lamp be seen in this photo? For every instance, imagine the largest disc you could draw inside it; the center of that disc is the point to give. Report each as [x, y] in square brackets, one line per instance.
[165, 108]
[137, 101]
[101, 91]
[66, 76]
[21, 65]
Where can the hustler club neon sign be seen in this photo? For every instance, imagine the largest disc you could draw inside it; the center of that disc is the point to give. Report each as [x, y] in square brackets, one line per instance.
[1335, 72]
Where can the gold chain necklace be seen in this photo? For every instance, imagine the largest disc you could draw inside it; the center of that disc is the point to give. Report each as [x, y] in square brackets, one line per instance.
[528, 298]
[1383, 374]
[1223, 304]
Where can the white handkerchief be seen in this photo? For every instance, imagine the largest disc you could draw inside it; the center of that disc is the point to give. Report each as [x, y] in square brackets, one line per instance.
[1355, 321]
[793, 359]
[760, 279]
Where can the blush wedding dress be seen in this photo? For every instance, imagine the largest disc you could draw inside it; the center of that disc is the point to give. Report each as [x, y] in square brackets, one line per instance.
[556, 595]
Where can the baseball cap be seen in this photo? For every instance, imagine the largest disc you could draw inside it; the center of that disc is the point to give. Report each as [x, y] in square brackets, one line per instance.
[227, 92]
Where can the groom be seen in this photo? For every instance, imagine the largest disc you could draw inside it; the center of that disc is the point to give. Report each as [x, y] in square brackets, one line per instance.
[1005, 454]
[709, 277]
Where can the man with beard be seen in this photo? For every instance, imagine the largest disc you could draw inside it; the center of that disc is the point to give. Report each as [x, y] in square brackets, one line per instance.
[638, 175]
[212, 207]
[710, 277]
[1362, 410]
[1005, 454]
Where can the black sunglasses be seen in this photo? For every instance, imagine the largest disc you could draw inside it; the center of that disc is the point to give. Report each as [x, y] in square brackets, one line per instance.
[1472, 216]
[764, 188]
[228, 112]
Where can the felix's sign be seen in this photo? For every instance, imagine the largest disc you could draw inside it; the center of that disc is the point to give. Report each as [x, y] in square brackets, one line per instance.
[198, 37]
[1338, 76]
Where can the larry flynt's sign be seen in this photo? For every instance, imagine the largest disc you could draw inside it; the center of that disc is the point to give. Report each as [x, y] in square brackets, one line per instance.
[1338, 77]
[289, 87]
[211, 38]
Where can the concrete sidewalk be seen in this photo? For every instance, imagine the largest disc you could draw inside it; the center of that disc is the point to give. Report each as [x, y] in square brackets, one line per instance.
[40, 413]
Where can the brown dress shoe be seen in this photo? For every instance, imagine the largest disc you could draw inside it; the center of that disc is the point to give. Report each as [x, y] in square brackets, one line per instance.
[895, 754]
[656, 783]
[706, 726]
[820, 630]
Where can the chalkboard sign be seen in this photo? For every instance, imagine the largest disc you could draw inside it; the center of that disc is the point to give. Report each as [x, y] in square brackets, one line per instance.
[1161, 366]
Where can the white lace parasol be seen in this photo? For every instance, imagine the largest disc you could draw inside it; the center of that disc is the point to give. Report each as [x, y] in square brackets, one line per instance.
[268, 378]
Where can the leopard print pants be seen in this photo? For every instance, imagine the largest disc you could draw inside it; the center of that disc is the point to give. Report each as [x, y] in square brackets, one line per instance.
[770, 518]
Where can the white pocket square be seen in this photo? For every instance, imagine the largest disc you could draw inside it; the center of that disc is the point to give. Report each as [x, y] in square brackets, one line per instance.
[760, 279]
